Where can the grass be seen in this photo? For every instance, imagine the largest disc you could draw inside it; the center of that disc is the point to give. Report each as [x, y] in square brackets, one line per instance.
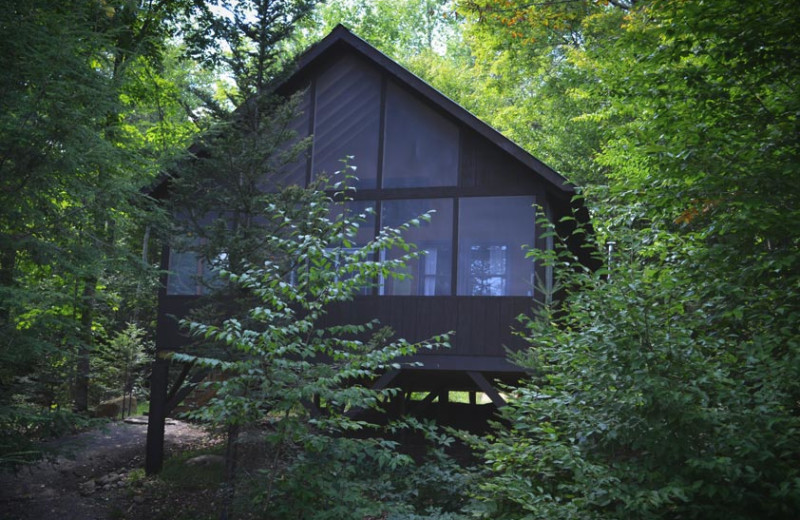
[142, 407]
[179, 492]
[178, 474]
[454, 397]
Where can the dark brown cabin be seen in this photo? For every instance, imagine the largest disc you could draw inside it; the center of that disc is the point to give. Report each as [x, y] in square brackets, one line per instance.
[417, 150]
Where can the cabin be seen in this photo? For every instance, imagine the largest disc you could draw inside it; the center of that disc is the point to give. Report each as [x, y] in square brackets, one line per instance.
[416, 150]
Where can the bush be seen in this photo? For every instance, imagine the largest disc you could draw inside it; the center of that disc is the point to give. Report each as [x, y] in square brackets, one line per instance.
[284, 365]
[657, 391]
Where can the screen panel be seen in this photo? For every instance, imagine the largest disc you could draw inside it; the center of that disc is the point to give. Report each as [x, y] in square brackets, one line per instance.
[420, 145]
[491, 234]
[347, 120]
[430, 274]
[290, 164]
[185, 271]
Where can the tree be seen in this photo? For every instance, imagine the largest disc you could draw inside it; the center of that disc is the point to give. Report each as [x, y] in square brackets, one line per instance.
[246, 41]
[240, 152]
[403, 29]
[118, 367]
[284, 363]
[78, 140]
[664, 386]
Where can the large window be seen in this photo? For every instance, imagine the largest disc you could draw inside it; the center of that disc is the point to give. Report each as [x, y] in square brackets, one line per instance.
[430, 274]
[185, 272]
[491, 234]
[359, 213]
[421, 146]
[189, 274]
[347, 120]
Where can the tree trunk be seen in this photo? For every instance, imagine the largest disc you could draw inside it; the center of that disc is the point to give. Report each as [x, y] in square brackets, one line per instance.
[8, 259]
[85, 346]
[156, 417]
[230, 472]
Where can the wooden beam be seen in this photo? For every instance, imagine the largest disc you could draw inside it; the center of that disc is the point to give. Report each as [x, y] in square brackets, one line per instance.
[487, 388]
[179, 391]
[419, 406]
[383, 381]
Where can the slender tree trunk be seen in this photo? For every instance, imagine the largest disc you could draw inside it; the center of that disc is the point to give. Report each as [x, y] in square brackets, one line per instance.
[84, 349]
[230, 472]
[8, 259]
[156, 417]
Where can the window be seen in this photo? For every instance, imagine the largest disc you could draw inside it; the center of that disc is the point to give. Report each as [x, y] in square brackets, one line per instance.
[421, 146]
[347, 120]
[362, 213]
[431, 273]
[185, 271]
[488, 269]
[491, 234]
[189, 274]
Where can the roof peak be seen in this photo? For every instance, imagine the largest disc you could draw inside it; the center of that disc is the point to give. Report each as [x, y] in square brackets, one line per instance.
[341, 34]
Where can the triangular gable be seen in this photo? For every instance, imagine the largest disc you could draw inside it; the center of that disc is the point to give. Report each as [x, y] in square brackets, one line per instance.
[341, 38]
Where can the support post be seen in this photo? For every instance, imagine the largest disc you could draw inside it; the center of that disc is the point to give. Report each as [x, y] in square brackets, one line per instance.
[383, 381]
[487, 388]
[156, 417]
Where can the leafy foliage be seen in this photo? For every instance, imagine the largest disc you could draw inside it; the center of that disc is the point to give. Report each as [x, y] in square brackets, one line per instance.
[119, 364]
[665, 384]
[244, 41]
[304, 376]
[86, 121]
[648, 402]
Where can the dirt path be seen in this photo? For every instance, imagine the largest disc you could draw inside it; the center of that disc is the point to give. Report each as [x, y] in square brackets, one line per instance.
[89, 483]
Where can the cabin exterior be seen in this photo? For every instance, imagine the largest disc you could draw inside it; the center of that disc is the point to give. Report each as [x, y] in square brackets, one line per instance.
[416, 150]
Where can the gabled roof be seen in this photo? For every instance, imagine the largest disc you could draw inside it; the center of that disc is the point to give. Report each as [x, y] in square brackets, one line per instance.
[341, 37]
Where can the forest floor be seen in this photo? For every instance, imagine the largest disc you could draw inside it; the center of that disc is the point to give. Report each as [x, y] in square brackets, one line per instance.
[98, 475]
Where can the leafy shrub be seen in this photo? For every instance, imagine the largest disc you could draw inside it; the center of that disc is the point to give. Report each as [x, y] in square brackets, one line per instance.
[284, 364]
[24, 426]
[119, 366]
[656, 392]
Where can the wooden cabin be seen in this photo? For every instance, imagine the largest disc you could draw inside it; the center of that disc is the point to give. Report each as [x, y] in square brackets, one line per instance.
[417, 150]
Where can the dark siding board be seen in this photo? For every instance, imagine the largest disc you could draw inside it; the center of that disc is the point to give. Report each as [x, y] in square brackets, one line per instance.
[467, 327]
[482, 324]
[507, 315]
[476, 327]
[468, 174]
[422, 313]
[494, 329]
[394, 318]
[463, 332]
[448, 317]
[412, 309]
[492, 364]
[483, 330]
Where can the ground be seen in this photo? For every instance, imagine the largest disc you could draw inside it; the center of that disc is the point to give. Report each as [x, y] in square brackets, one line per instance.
[99, 476]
